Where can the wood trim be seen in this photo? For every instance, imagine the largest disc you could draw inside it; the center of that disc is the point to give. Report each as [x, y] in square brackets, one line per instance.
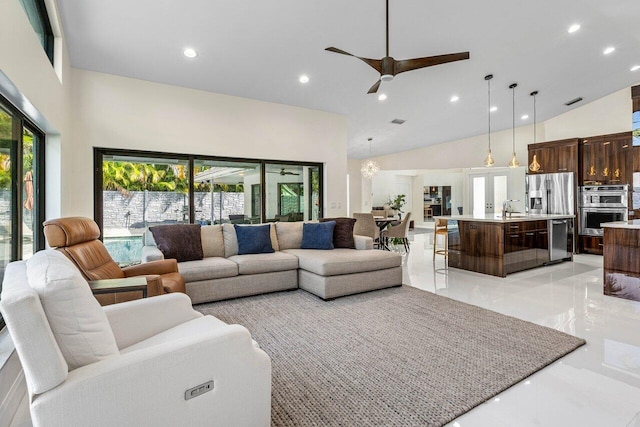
[635, 91]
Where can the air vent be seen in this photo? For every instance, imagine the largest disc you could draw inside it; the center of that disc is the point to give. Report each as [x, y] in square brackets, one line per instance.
[573, 101]
[398, 121]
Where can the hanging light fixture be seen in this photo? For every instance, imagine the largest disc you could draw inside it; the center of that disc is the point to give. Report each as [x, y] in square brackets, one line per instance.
[488, 161]
[534, 166]
[514, 163]
[370, 167]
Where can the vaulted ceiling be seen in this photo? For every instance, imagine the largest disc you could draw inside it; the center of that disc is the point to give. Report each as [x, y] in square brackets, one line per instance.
[258, 50]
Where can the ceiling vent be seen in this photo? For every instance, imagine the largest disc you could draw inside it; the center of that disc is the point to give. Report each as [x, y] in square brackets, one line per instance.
[398, 121]
[573, 101]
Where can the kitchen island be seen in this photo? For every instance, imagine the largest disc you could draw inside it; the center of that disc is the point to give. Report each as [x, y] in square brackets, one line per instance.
[498, 246]
[621, 259]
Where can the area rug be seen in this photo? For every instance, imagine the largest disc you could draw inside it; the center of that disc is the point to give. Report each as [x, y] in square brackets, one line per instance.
[398, 356]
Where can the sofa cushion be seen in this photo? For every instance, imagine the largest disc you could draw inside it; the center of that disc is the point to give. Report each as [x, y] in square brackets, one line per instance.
[77, 321]
[317, 235]
[180, 241]
[231, 240]
[265, 263]
[212, 241]
[253, 239]
[207, 268]
[289, 235]
[345, 261]
[343, 232]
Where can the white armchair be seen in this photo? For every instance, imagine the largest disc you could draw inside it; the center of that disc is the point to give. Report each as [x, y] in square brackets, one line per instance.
[161, 348]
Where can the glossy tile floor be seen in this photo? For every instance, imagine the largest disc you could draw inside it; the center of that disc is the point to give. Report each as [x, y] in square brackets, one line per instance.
[596, 385]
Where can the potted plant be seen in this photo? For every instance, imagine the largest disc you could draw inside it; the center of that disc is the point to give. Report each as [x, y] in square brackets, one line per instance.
[397, 203]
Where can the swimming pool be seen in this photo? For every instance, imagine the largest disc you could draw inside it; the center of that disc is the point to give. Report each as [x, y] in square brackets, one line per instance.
[124, 250]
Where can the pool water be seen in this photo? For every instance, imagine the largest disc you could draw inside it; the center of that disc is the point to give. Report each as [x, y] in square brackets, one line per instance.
[124, 250]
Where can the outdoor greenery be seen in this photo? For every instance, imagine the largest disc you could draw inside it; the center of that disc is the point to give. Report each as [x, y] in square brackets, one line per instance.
[126, 177]
[6, 131]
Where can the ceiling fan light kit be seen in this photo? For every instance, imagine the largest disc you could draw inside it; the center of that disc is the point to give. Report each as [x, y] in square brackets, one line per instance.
[388, 67]
[488, 161]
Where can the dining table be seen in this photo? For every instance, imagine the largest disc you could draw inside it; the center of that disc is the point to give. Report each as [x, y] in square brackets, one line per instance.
[382, 223]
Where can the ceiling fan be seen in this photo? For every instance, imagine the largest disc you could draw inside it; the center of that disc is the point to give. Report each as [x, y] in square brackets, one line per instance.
[389, 67]
[284, 172]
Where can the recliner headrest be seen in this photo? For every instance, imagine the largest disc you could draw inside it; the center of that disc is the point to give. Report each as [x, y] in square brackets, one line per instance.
[63, 232]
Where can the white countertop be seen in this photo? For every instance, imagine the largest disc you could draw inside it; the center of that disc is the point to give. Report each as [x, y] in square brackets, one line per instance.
[633, 223]
[498, 218]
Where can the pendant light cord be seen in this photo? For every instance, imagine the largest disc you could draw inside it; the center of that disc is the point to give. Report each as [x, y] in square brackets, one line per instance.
[535, 139]
[513, 91]
[489, 107]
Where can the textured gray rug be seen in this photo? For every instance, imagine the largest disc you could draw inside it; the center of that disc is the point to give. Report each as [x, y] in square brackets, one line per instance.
[398, 356]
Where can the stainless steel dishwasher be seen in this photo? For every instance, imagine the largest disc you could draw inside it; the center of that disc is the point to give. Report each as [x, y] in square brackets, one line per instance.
[558, 233]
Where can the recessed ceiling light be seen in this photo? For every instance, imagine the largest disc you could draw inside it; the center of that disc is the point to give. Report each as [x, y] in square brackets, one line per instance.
[304, 79]
[573, 28]
[190, 53]
[493, 109]
[635, 68]
[454, 98]
[382, 97]
[524, 117]
[609, 50]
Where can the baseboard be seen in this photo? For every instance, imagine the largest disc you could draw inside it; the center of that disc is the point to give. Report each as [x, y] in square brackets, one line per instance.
[11, 402]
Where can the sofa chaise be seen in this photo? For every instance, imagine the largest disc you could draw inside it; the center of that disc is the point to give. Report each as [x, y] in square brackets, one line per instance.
[222, 273]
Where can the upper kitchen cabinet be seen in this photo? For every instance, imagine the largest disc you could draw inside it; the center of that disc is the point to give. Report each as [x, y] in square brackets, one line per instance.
[605, 159]
[554, 156]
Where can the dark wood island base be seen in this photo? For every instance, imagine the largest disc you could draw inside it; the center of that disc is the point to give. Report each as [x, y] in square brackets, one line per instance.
[621, 259]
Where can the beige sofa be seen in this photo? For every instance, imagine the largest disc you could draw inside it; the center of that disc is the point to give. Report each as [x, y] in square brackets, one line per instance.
[223, 274]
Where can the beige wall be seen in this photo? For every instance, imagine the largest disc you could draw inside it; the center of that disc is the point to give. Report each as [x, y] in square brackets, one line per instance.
[118, 112]
[38, 91]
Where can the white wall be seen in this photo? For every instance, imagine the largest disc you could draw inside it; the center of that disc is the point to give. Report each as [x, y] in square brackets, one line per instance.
[118, 112]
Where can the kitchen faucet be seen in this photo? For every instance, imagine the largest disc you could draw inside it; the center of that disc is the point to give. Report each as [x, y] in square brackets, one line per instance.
[506, 208]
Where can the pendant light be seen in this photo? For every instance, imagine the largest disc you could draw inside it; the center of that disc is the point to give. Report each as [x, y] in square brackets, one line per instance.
[514, 163]
[488, 161]
[534, 166]
[370, 167]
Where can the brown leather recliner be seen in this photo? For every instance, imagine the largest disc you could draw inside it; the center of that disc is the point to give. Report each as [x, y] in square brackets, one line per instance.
[77, 238]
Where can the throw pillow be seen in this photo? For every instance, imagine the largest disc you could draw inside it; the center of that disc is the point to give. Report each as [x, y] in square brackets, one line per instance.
[77, 321]
[212, 241]
[289, 235]
[317, 235]
[343, 232]
[254, 239]
[180, 241]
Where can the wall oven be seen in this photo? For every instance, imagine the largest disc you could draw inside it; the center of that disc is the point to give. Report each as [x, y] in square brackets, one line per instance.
[602, 203]
[591, 218]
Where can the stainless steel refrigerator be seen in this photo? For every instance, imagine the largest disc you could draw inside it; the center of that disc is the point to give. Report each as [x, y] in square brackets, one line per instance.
[553, 194]
[550, 193]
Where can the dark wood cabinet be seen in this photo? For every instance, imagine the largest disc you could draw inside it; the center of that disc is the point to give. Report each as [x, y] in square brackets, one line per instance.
[498, 248]
[606, 158]
[554, 156]
[591, 245]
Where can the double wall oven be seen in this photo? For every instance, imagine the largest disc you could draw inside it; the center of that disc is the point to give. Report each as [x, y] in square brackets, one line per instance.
[602, 203]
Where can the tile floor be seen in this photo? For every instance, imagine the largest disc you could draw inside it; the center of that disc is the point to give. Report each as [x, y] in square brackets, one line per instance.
[597, 385]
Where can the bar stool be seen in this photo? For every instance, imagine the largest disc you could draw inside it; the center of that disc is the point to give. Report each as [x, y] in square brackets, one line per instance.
[440, 230]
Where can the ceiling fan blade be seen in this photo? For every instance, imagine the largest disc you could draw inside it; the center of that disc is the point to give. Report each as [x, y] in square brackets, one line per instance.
[376, 64]
[375, 87]
[429, 61]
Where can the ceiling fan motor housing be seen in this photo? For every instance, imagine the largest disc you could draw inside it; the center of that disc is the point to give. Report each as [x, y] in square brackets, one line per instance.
[388, 69]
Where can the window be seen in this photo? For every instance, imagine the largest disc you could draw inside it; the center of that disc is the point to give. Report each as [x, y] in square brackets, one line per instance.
[21, 188]
[135, 189]
[39, 18]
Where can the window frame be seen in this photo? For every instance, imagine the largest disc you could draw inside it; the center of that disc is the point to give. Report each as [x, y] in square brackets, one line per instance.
[45, 21]
[100, 152]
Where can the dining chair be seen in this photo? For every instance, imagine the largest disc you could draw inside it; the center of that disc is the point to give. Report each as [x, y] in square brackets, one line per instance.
[400, 231]
[366, 226]
[440, 230]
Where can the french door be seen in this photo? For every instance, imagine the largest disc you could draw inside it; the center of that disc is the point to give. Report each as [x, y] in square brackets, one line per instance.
[487, 192]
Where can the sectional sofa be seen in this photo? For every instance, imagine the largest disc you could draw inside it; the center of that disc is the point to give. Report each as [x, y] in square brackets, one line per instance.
[223, 274]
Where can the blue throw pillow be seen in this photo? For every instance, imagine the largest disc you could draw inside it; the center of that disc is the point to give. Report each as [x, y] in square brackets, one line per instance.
[318, 236]
[254, 239]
